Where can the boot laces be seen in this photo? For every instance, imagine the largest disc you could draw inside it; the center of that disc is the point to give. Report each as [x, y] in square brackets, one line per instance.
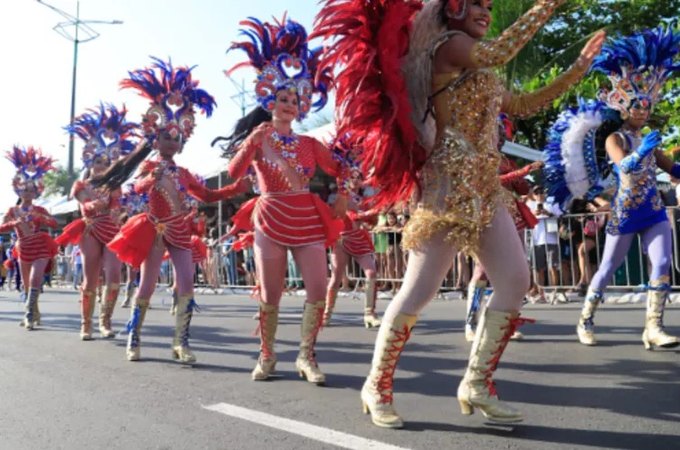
[512, 326]
[389, 363]
[184, 335]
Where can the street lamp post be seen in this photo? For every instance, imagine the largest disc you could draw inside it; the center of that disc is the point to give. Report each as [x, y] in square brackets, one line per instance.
[89, 34]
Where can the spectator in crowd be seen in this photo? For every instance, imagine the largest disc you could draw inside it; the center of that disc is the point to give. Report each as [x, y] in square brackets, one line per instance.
[380, 245]
[545, 241]
[249, 266]
[294, 277]
[229, 259]
[393, 256]
[77, 264]
[579, 232]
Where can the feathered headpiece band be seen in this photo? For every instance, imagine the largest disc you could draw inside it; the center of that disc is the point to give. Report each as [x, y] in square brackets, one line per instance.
[638, 66]
[31, 167]
[173, 94]
[278, 52]
[105, 132]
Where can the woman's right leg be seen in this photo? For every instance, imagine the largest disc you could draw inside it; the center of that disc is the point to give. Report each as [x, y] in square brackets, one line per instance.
[615, 250]
[92, 264]
[502, 254]
[150, 270]
[425, 271]
[271, 261]
[339, 261]
[367, 263]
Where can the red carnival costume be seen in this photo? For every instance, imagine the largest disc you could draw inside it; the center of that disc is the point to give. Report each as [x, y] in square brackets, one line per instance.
[34, 247]
[107, 136]
[166, 220]
[286, 216]
[168, 123]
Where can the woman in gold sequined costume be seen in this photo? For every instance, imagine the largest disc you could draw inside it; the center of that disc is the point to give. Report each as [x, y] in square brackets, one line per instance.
[450, 81]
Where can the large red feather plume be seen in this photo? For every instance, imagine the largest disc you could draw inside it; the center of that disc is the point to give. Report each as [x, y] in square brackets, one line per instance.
[369, 38]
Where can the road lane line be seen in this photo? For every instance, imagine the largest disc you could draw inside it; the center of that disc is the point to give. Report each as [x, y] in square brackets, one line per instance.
[307, 430]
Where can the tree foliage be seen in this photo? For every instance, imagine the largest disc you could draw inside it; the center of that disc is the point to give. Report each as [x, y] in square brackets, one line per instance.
[558, 44]
[58, 182]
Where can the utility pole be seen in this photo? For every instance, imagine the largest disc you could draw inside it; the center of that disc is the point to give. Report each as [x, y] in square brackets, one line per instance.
[82, 33]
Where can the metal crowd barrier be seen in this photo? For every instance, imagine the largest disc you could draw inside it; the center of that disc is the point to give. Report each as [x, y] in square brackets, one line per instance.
[226, 268]
[631, 276]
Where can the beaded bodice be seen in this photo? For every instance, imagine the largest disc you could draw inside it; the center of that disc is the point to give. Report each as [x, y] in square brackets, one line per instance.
[95, 201]
[298, 160]
[637, 197]
[28, 220]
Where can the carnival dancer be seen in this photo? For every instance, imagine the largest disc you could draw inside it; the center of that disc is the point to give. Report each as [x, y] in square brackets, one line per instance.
[35, 248]
[143, 239]
[132, 204]
[286, 216]
[436, 129]
[355, 242]
[638, 66]
[107, 137]
[512, 179]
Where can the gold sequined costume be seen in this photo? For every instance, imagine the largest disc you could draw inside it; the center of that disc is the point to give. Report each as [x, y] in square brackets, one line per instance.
[460, 187]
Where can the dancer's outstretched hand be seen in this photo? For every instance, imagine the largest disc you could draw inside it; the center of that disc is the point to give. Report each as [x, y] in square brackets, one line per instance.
[650, 142]
[592, 48]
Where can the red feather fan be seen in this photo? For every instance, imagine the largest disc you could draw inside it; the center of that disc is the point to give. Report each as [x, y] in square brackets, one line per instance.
[369, 39]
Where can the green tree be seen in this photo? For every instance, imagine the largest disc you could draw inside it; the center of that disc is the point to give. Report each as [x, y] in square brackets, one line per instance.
[58, 182]
[558, 44]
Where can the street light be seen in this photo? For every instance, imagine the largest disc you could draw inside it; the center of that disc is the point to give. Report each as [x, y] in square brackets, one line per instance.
[89, 33]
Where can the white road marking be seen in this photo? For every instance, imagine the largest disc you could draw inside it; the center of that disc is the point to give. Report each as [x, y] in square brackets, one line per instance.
[309, 431]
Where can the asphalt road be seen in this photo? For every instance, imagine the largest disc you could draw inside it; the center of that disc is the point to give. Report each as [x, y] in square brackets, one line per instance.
[58, 392]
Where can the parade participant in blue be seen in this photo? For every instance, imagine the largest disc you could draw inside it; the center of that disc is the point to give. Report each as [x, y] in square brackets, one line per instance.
[637, 66]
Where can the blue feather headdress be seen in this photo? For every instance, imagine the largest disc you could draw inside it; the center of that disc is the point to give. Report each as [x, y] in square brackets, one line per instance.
[173, 95]
[106, 133]
[31, 167]
[572, 169]
[282, 59]
[638, 66]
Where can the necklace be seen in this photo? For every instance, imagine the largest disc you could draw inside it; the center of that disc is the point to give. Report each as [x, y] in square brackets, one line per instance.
[171, 169]
[286, 145]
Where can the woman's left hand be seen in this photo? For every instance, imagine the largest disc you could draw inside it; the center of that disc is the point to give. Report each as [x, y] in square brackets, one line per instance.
[592, 48]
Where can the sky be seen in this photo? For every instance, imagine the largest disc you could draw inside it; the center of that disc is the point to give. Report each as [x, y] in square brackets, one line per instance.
[37, 66]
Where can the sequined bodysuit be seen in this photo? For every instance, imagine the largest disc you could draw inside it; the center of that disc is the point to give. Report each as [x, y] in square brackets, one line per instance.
[286, 212]
[637, 204]
[460, 185]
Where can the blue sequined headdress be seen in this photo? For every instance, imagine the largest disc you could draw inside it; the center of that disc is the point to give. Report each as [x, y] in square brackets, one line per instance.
[31, 167]
[106, 133]
[638, 66]
[173, 94]
[279, 53]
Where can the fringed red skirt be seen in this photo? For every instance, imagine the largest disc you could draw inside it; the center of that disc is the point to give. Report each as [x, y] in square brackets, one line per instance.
[102, 228]
[292, 219]
[36, 246]
[357, 242]
[135, 239]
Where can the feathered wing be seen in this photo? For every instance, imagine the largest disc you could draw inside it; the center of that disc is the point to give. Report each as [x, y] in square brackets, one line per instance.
[368, 39]
[571, 166]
